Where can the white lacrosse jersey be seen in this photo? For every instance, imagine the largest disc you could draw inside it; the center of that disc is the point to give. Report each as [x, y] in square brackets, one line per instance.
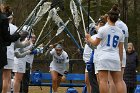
[10, 49]
[29, 58]
[19, 63]
[110, 37]
[58, 63]
[124, 29]
[95, 58]
[23, 59]
[87, 51]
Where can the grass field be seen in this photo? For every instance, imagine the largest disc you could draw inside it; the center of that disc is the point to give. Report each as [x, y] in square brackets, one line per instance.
[36, 89]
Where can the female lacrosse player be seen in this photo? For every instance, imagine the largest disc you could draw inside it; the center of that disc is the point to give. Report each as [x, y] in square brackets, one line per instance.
[90, 76]
[25, 58]
[124, 29]
[19, 70]
[110, 52]
[20, 60]
[59, 66]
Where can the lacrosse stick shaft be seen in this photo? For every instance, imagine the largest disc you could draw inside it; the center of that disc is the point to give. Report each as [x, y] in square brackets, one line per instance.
[42, 30]
[60, 41]
[85, 11]
[82, 17]
[50, 41]
[40, 41]
[88, 14]
[73, 39]
[30, 15]
[74, 24]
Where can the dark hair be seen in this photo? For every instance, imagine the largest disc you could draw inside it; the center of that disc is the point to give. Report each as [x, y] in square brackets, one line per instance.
[23, 35]
[102, 19]
[8, 11]
[113, 14]
[116, 6]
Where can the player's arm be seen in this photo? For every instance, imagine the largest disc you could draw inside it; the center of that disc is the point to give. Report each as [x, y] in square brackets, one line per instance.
[23, 44]
[22, 54]
[126, 38]
[66, 64]
[121, 51]
[91, 41]
[126, 43]
[98, 38]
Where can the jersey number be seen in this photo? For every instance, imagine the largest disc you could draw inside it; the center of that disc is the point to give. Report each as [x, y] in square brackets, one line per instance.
[115, 40]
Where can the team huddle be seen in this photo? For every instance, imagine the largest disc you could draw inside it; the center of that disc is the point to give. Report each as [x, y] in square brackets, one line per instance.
[104, 55]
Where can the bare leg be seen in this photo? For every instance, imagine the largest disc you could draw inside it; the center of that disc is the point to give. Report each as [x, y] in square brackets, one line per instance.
[103, 81]
[112, 87]
[17, 82]
[87, 83]
[63, 78]
[118, 81]
[97, 78]
[6, 76]
[59, 80]
[54, 80]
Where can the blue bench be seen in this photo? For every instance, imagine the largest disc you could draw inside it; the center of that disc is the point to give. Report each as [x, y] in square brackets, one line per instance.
[47, 81]
[137, 90]
[138, 77]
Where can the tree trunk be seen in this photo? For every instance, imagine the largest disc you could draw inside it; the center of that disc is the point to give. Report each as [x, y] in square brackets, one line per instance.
[137, 21]
[124, 9]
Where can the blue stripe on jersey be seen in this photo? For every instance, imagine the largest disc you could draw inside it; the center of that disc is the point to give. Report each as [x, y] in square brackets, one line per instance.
[91, 57]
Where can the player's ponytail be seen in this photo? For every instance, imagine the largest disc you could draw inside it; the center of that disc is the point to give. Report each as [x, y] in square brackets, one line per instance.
[113, 14]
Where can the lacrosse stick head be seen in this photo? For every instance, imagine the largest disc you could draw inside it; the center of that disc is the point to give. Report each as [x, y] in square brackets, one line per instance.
[26, 28]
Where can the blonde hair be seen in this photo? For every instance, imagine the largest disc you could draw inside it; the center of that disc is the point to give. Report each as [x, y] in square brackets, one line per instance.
[131, 45]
